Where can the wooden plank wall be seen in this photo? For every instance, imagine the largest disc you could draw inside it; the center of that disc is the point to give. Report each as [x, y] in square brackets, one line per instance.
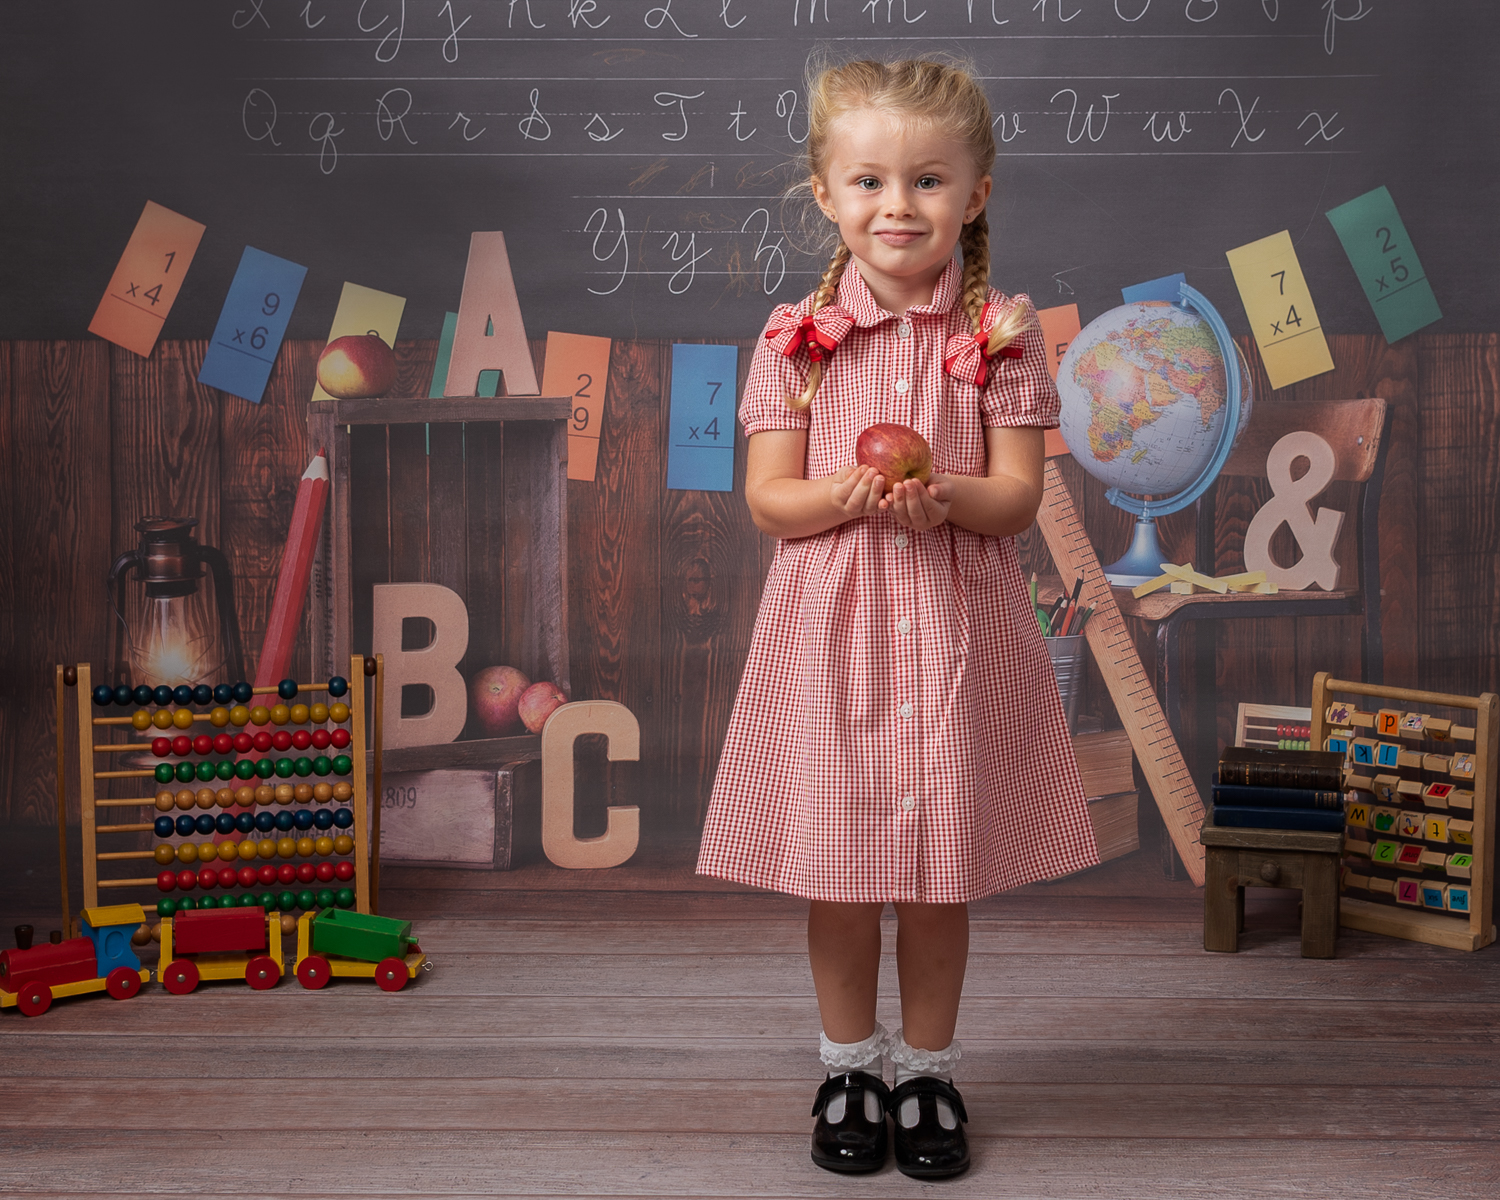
[663, 585]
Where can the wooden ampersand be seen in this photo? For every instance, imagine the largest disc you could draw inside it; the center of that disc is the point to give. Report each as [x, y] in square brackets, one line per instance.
[1316, 537]
[623, 831]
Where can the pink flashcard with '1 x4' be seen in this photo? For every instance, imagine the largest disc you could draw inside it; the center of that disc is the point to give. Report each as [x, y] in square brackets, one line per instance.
[145, 284]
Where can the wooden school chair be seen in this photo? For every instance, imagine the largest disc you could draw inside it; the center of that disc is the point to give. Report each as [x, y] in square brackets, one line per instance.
[1357, 430]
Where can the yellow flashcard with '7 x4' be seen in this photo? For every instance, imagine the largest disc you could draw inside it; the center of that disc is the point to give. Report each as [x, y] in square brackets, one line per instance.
[1280, 308]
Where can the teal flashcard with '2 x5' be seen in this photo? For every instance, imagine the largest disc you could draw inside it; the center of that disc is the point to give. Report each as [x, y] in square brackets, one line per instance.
[1376, 242]
[251, 324]
[700, 449]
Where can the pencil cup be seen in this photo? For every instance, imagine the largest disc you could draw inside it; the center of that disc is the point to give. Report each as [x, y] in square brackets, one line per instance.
[1067, 654]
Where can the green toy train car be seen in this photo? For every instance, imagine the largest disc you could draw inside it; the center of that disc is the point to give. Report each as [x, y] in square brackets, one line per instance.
[338, 942]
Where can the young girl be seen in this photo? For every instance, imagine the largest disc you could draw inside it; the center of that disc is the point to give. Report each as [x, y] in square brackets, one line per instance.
[897, 736]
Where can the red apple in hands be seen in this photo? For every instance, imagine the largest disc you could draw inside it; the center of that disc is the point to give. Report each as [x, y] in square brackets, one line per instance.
[537, 704]
[495, 694]
[357, 366]
[897, 452]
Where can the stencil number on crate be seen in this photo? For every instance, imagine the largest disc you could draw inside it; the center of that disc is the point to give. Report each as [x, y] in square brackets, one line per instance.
[399, 797]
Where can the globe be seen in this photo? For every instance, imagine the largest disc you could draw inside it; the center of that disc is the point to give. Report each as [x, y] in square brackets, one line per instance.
[1146, 410]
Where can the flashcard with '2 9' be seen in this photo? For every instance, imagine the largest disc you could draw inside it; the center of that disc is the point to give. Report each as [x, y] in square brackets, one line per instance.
[251, 324]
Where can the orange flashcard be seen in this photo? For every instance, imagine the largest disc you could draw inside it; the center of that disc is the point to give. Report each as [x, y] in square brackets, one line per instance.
[578, 366]
[150, 274]
[1059, 328]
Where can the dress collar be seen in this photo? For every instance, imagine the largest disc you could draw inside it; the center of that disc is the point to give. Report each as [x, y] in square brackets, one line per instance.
[854, 296]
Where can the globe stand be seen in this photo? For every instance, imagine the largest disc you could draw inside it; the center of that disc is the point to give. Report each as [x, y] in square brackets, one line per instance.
[1142, 562]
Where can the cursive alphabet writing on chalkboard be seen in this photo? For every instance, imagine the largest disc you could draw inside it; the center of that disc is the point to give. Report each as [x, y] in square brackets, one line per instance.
[1245, 114]
[390, 43]
[663, 15]
[1321, 129]
[258, 116]
[1335, 18]
[243, 16]
[583, 10]
[450, 43]
[533, 126]
[391, 111]
[321, 130]
[621, 245]
[1085, 127]
[666, 100]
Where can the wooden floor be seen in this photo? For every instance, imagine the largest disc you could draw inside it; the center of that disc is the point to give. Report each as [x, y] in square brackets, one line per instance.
[644, 1033]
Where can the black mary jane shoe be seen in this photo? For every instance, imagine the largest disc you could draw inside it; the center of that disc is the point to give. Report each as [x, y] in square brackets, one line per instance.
[856, 1143]
[927, 1150]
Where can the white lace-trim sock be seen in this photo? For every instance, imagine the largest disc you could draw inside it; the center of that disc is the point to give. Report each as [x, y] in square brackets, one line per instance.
[863, 1055]
[911, 1062]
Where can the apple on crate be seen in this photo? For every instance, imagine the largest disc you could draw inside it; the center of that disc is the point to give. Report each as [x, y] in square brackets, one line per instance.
[495, 700]
[896, 451]
[538, 703]
[357, 366]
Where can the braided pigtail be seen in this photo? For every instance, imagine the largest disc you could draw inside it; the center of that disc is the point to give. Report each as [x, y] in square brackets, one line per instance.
[827, 288]
[1014, 321]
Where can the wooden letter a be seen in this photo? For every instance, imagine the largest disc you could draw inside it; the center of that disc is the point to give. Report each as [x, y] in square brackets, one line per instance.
[490, 335]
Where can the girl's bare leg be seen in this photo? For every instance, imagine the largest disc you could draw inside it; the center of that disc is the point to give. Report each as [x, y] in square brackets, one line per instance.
[843, 946]
[932, 951]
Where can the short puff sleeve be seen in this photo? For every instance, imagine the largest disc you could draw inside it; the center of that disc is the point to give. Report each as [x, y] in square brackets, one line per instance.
[1020, 391]
[774, 377]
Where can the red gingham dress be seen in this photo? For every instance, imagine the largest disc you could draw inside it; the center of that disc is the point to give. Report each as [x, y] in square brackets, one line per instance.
[897, 733]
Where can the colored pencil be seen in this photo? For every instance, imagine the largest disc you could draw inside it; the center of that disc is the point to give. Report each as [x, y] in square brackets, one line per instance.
[296, 569]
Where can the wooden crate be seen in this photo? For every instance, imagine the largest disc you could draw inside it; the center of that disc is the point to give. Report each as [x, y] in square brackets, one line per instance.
[468, 493]
[1481, 741]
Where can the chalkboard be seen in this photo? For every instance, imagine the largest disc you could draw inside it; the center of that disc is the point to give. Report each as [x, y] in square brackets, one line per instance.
[633, 151]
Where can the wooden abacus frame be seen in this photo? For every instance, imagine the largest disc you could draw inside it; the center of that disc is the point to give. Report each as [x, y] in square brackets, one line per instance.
[1417, 924]
[366, 856]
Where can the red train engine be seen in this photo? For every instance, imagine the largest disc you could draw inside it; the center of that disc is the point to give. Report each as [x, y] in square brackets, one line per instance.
[102, 960]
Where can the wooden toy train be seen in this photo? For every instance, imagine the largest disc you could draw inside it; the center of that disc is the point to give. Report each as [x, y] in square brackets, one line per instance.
[102, 960]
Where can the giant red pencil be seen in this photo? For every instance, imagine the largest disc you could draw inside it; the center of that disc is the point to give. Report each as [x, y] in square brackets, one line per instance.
[296, 569]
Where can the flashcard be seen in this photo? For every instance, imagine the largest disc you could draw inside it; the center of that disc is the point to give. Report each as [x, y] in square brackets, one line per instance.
[1060, 326]
[1280, 309]
[146, 281]
[1385, 263]
[364, 310]
[578, 366]
[700, 447]
[251, 324]
[1168, 288]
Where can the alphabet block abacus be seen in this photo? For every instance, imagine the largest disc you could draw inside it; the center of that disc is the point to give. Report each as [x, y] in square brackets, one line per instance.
[1419, 837]
[251, 804]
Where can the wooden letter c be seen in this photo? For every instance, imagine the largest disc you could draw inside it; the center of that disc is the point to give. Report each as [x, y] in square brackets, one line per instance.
[623, 831]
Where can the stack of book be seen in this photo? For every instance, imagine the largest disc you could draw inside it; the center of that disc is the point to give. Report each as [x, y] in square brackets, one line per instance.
[1280, 789]
[1105, 762]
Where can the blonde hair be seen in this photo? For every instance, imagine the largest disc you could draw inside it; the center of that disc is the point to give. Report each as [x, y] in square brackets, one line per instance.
[924, 90]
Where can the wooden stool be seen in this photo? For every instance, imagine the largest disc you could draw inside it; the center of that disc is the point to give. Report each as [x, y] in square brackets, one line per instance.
[1280, 858]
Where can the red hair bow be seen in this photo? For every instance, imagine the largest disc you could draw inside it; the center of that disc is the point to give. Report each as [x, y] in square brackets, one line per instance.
[965, 357]
[822, 331]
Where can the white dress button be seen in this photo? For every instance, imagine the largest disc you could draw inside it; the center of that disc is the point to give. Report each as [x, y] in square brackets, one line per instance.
[903, 331]
[901, 541]
[901, 386]
[904, 625]
[906, 711]
[908, 802]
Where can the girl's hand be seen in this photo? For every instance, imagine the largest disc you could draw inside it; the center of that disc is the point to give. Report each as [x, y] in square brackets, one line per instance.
[855, 491]
[919, 507]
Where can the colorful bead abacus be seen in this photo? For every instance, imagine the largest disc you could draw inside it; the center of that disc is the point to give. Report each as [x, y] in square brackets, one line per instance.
[276, 794]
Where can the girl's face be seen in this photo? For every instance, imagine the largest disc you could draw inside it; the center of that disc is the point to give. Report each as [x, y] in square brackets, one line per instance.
[901, 194]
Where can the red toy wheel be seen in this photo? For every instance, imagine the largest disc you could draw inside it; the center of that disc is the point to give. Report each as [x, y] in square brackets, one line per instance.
[262, 972]
[34, 999]
[390, 974]
[180, 977]
[314, 972]
[122, 983]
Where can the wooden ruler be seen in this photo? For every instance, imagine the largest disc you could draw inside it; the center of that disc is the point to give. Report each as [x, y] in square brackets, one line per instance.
[1114, 651]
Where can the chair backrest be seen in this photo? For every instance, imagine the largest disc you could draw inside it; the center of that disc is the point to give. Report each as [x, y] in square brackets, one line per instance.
[1354, 428]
